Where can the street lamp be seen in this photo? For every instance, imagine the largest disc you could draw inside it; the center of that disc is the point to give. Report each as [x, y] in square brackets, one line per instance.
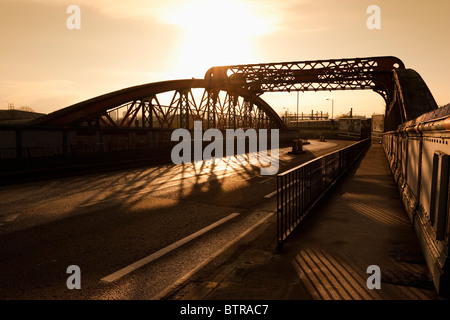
[286, 115]
[332, 107]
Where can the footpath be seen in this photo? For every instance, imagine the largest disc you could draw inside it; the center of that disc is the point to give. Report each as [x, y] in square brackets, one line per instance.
[359, 227]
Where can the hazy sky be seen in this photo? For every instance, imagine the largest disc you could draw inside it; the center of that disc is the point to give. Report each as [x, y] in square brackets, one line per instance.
[47, 66]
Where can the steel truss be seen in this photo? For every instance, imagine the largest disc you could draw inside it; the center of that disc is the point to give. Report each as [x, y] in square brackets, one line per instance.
[216, 109]
[322, 75]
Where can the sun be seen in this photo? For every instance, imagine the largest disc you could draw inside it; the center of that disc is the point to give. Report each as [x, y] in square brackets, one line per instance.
[217, 32]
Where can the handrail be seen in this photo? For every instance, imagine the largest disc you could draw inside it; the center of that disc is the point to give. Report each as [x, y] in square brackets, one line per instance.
[299, 189]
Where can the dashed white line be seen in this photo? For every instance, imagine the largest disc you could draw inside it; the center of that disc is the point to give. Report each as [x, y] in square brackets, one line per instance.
[12, 217]
[147, 190]
[124, 271]
[270, 195]
[266, 180]
[184, 278]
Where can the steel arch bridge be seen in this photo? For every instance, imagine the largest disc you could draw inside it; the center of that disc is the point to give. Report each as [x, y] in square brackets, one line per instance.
[219, 105]
[230, 96]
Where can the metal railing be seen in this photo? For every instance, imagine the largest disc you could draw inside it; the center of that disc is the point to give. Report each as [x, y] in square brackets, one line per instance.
[299, 189]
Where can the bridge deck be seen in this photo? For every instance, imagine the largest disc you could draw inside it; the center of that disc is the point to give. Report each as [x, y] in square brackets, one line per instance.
[360, 223]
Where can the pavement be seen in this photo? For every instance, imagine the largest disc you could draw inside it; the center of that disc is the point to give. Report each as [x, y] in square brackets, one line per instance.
[360, 224]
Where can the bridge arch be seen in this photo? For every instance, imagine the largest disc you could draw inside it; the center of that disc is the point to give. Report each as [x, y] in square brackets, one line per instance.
[231, 95]
[219, 105]
[410, 99]
[405, 93]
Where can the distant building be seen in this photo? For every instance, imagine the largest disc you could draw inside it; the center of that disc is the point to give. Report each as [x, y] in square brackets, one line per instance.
[356, 127]
[294, 120]
[12, 116]
[377, 127]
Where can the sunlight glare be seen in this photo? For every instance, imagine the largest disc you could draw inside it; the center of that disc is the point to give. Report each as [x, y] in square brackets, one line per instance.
[218, 32]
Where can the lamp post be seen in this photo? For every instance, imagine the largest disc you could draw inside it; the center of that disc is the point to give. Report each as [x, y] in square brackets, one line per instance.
[286, 115]
[332, 107]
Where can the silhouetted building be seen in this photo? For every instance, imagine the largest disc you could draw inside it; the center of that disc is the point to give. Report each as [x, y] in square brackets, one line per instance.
[12, 116]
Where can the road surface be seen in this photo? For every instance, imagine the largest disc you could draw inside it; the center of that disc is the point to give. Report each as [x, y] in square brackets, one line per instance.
[132, 233]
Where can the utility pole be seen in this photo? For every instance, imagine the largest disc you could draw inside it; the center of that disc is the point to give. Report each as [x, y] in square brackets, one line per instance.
[297, 107]
[332, 107]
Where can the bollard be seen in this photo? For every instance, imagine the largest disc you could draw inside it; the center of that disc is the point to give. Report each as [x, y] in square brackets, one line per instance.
[297, 147]
[294, 146]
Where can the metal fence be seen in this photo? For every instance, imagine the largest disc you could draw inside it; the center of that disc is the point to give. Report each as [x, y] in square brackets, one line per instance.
[300, 188]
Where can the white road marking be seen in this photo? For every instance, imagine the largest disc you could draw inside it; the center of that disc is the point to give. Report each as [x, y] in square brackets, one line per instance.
[124, 271]
[270, 195]
[148, 190]
[102, 201]
[188, 275]
[248, 178]
[199, 175]
[143, 191]
[12, 217]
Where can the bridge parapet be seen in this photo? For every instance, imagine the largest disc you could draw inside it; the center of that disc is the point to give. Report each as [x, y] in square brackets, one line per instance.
[419, 156]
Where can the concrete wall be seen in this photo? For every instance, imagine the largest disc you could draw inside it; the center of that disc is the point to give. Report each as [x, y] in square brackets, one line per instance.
[377, 128]
[378, 123]
[418, 154]
[28, 147]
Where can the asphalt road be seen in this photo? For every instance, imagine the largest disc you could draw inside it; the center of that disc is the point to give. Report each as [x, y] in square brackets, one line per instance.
[133, 233]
